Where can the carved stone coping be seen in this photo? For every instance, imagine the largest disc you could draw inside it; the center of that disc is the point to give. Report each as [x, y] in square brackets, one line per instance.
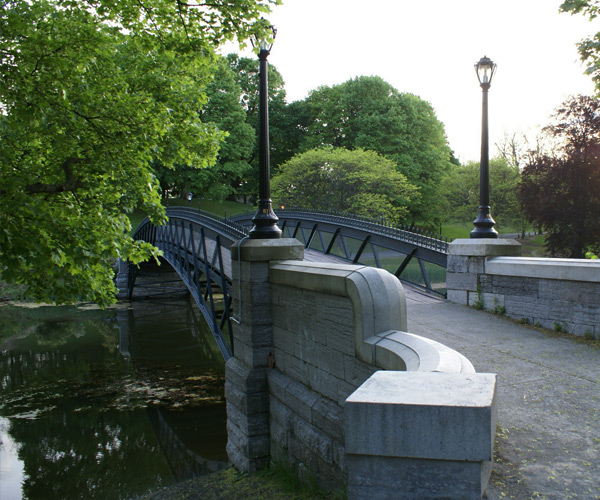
[379, 315]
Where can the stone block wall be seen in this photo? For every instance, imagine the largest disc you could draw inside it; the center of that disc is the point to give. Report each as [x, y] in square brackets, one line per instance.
[309, 337]
[420, 436]
[315, 371]
[560, 294]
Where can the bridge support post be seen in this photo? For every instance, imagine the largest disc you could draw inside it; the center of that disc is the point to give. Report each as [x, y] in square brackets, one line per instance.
[466, 261]
[246, 387]
[122, 279]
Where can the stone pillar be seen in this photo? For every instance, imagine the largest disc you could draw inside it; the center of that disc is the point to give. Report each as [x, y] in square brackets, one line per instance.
[122, 279]
[246, 387]
[466, 264]
[421, 436]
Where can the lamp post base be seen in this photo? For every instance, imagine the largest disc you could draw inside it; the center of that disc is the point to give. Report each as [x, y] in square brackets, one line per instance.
[484, 225]
[265, 224]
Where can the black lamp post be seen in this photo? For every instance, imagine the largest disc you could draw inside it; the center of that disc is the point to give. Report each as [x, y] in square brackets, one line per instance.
[189, 197]
[484, 224]
[265, 220]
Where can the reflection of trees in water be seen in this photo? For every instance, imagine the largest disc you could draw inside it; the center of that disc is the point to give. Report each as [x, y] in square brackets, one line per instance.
[80, 414]
[188, 342]
[55, 352]
[185, 462]
[88, 454]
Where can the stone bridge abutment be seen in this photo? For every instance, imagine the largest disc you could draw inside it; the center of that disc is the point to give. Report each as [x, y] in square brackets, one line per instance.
[556, 294]
[326, 379]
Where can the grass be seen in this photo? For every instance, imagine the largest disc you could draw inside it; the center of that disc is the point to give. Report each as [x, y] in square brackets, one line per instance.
[273, 483]
[219, 208]
[533, 246]
[456, 230]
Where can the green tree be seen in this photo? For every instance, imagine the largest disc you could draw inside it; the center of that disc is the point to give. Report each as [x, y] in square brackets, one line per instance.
[358, 182]
[589, 48]
[91, 93]
[460, 192]
[368, 113]
[560, 192]
[281, 146]
[222, 109]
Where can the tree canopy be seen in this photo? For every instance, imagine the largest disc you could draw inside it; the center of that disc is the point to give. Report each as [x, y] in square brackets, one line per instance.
[560, 192]
[352, 181]
[460, 192]
[92, 92]
[368, 113]
[589, 48]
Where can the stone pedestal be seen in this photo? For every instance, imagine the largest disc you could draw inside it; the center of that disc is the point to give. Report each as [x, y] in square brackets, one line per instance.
[246, 387]
[122, 279]
[466, 261]
[415, 435]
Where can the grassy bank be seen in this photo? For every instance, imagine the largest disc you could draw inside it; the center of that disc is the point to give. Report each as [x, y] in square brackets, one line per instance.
[270, 484]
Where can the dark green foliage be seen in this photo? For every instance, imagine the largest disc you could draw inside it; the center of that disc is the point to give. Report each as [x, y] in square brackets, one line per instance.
[368, 113]
[460, 191]
[356, 182]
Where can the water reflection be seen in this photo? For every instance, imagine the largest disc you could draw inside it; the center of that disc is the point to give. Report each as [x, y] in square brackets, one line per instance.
[107, 404]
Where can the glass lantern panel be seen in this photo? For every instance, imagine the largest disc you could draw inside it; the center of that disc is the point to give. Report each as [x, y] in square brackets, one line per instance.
[484, 71]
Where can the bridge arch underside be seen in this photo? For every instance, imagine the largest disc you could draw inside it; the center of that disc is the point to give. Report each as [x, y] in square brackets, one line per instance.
[413, 258]
[200, 255]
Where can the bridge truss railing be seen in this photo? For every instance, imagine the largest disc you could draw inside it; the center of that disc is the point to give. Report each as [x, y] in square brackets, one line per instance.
[197, 246]
[412, 255]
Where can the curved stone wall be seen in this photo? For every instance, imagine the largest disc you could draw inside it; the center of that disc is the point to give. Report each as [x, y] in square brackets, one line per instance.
[322, 357]
[378, 314]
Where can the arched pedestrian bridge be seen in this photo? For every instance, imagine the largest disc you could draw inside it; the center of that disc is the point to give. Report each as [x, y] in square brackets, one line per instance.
[322, 352]
[197, 245]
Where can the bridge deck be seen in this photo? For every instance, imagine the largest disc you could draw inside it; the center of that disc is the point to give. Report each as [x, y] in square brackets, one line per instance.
[548, 399]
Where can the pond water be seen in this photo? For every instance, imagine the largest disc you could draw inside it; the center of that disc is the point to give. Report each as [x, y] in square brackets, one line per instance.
[107, 404]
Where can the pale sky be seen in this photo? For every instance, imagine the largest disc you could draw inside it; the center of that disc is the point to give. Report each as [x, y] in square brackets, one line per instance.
[429, 48]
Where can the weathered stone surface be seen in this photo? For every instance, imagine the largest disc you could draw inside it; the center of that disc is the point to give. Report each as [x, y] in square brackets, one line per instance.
[383, 478]
[475, 264]
[315, 440]
[510, 285]
[449, 416]
[458, 296]
[461, 281]
[248, 380]
[587, 314]
[356, 371]
[278, 383]
[584, 270]
[301, 399]
[267, 249]
[456, 264]
[301, 326]
[573, 291]
[250, 425]
[484, 247]
[329, 417]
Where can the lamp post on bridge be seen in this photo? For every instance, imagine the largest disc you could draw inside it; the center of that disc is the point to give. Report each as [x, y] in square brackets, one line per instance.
[484, 224]
[265, 220]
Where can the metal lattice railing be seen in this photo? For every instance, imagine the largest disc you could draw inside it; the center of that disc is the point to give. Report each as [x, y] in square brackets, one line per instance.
[362, 240]
[196, 244]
